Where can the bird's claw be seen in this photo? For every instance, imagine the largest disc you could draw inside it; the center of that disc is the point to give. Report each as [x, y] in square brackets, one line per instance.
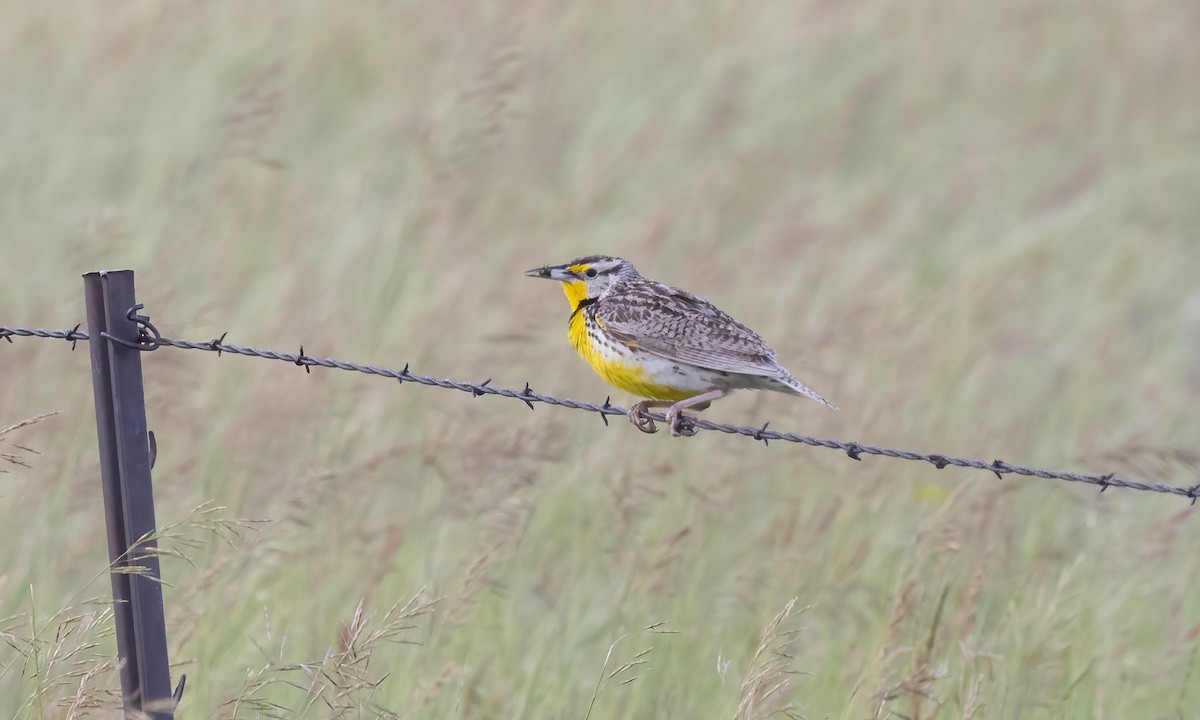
[680, 424]
[640, 421]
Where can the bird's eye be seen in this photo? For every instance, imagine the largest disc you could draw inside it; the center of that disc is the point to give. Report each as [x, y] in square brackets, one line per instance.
[590, 272]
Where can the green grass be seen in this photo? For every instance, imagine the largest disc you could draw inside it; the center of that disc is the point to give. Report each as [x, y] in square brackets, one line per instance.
[973, 226]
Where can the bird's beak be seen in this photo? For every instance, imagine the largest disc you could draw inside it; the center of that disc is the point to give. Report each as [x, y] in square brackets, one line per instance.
[551, 272]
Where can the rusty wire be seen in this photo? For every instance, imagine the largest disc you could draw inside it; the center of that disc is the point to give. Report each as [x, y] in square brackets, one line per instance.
[854, 450]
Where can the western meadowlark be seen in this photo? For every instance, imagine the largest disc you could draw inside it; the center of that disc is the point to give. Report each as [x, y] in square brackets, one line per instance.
[658, 342]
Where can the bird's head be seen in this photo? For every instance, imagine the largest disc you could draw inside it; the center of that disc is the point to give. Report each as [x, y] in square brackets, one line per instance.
[587, 278]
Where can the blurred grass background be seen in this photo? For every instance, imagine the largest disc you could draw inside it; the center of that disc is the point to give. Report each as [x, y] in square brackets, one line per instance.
[971, 225]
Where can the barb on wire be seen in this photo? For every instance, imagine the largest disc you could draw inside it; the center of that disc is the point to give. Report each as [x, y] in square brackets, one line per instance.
[72, 336]
[527, 395]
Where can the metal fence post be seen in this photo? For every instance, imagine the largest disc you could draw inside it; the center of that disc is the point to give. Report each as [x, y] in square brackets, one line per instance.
[128, 496]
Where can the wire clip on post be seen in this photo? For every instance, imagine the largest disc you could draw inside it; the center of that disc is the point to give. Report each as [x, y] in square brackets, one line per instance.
[148, 336]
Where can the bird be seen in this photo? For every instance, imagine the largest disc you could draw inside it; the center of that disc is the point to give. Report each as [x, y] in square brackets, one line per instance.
[658, 342]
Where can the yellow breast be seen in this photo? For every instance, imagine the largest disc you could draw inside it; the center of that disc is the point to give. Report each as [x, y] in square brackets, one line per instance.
[619, 365]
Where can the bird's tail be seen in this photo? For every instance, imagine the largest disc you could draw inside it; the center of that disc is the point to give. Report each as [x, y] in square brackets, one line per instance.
[793, 386]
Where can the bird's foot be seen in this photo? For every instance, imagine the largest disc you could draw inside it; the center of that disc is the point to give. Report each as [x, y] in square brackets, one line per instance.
[681, 425]
[640, 421]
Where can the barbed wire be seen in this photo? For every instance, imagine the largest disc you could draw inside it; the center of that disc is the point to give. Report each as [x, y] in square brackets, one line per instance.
[151, 340]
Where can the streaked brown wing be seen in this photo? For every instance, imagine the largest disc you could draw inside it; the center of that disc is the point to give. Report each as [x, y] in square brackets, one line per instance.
[679, 326]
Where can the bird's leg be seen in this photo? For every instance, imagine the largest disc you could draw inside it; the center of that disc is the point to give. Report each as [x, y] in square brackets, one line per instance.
[679, 428]
[640, 421]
